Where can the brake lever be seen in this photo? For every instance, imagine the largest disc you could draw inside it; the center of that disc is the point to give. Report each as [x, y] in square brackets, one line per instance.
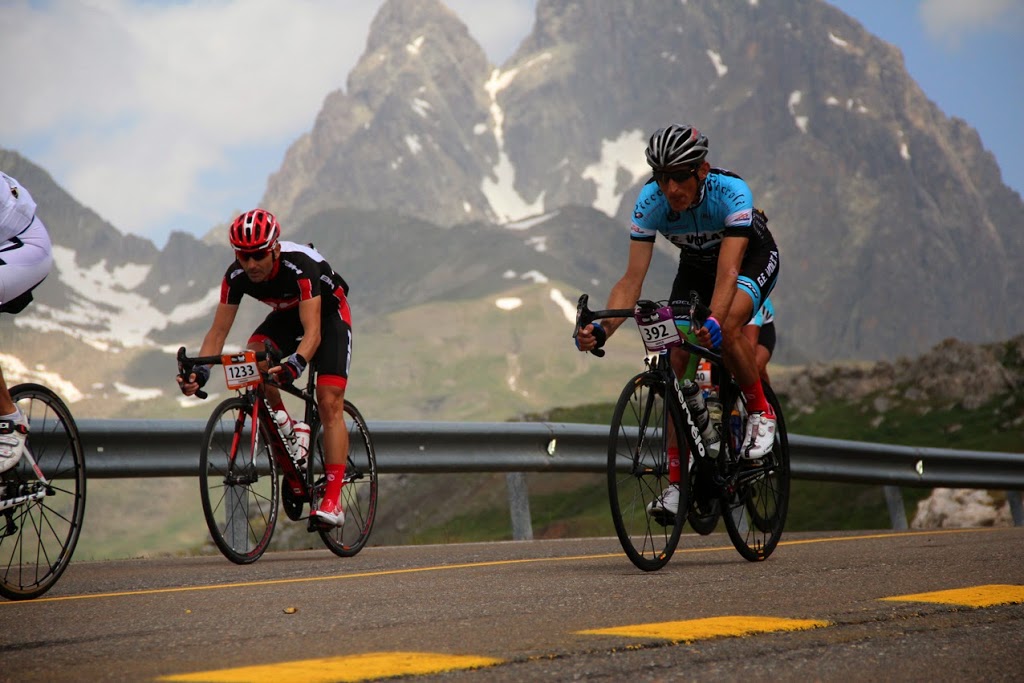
[184, 373]
[583, 318]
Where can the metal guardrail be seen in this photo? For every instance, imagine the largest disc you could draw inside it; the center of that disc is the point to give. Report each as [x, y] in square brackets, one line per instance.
[170, 448]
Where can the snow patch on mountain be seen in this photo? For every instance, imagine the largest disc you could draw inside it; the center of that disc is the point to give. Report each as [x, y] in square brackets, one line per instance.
[623, 154]
[102, 310]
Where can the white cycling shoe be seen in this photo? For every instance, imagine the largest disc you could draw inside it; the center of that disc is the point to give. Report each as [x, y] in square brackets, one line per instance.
[335, 517]
[664, 508]
[760, 438]
[13, 436]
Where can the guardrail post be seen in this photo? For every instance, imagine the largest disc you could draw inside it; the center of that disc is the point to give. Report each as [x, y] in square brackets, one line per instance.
[1016, 509]
[519, 506]
[897, 513]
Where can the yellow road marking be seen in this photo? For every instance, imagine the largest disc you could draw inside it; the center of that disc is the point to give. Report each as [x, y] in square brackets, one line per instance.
[714, 627]
[364, 667]
[471, 565]
[975, 596]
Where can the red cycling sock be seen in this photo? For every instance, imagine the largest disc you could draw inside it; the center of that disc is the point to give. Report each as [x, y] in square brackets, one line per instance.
[675, 471]
[756, 402]
[335, 477]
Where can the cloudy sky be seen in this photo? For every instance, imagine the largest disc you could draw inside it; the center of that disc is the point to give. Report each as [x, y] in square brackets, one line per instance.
[168, 115]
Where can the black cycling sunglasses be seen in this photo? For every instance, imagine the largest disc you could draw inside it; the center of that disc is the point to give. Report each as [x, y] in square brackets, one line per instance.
[679, 175]
[257, 255]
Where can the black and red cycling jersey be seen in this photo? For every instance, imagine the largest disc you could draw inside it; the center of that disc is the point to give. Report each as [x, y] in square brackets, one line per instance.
[299, 274]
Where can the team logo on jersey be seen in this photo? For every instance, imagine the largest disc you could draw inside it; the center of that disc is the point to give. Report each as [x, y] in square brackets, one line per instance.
[637, 214]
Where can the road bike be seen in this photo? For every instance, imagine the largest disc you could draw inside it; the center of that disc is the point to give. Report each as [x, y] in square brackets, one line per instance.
[244, 458]
[42, 498]
[651, 413]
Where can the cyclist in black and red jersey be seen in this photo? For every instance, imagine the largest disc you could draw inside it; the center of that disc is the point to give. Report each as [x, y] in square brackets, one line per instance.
[311, 317]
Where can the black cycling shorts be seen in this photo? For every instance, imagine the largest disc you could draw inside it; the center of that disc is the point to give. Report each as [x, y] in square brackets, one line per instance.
[284, 330]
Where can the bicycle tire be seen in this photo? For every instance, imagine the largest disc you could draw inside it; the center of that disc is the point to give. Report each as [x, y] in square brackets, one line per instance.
[359, 492]
[755, 512]
[38, 537]
[240, 494]
[638, 470]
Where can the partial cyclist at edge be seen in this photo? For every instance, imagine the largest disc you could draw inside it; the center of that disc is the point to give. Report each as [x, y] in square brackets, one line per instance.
[725, 248]
[25, 261]
[310, 318]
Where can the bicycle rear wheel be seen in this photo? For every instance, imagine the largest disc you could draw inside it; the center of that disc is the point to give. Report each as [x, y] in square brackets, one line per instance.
[239, 487]
[39, 534]
[359, 492]
[755, 512]
[638, 471]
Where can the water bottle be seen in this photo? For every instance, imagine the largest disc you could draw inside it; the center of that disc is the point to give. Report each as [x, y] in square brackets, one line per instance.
[702, 416]
[695, 402]
[714, 438]
[284, 424]
[301, 430]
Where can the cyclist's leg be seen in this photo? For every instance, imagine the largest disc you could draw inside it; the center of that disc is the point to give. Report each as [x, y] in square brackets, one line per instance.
[757, 278]
[687, 279]
[333, 360]
[282, 329]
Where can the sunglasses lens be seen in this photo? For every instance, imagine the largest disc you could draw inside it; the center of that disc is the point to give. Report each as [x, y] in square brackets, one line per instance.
[252, 255]
[678, 176]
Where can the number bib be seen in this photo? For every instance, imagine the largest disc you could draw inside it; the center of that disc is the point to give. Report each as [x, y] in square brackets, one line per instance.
[658, 330]
[240, 370]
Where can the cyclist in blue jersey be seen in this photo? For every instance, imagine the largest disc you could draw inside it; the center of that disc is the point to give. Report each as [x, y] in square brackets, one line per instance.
[761, 333]
[725, 249]
[310, 317]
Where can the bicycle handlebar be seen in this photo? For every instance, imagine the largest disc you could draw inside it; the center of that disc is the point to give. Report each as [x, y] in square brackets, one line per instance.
[693, 310]
[186, 364]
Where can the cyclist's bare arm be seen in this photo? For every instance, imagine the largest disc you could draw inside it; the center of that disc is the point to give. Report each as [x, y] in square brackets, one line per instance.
[213, 342]
[625, 292]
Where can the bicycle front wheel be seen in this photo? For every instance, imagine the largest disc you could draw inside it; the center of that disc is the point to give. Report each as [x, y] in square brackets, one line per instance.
[755, 512]
[238, 482]
[40, 523]
[358, 493]
[638, 471]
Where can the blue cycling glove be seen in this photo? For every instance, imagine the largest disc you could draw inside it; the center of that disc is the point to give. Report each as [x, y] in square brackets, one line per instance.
[600, 336]
[715, 330]
[292, 368]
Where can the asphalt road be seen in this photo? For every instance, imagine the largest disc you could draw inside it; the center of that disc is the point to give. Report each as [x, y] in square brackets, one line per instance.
[823, 607]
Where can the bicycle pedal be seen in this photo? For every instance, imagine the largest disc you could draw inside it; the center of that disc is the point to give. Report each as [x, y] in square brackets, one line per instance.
[663, 517]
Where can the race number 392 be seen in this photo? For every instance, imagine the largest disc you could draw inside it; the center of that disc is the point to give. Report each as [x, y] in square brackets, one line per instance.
[659, 335]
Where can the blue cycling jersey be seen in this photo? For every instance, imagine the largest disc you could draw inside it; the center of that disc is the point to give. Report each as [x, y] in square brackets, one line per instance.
[725, 209]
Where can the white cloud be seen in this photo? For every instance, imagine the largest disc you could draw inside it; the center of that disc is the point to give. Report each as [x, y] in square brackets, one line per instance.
[130, 104]
[498, 25]
[171, 115]
[951, 21]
